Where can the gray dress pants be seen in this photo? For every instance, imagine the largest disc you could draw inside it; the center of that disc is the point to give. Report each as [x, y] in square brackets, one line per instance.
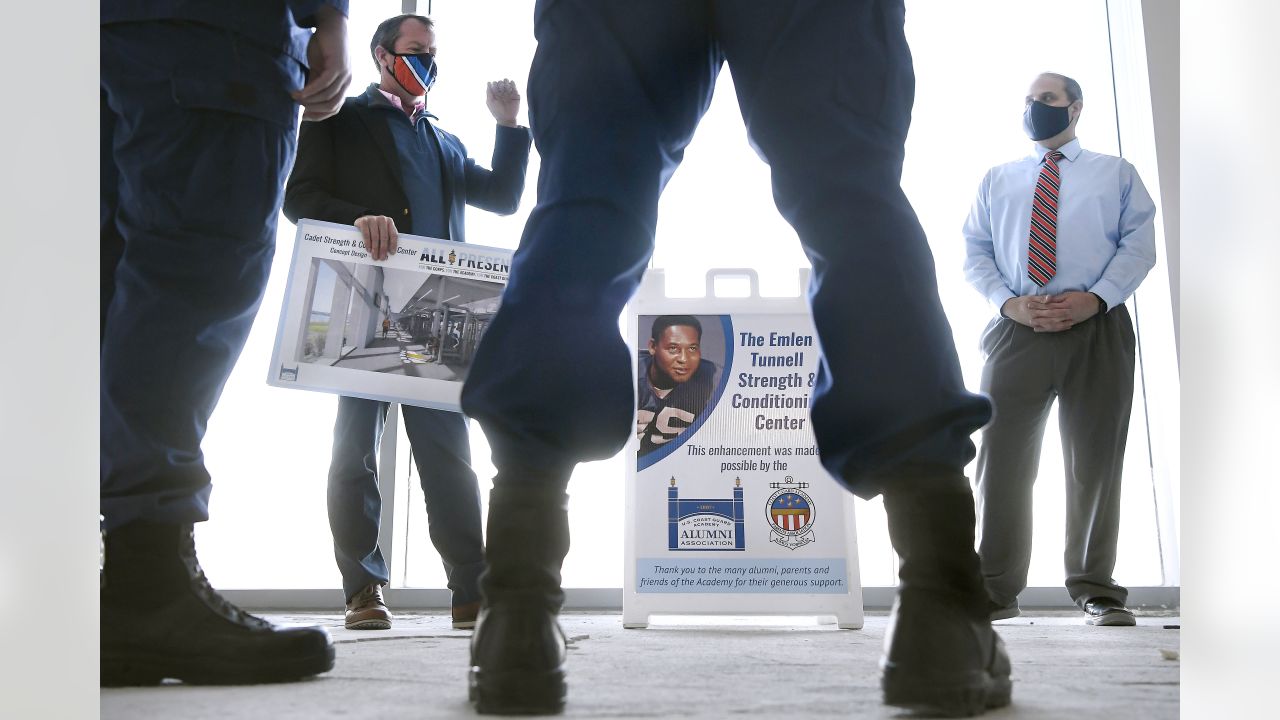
[1089, 369]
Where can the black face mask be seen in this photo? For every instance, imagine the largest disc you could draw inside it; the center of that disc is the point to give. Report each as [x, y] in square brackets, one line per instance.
[1042, 122]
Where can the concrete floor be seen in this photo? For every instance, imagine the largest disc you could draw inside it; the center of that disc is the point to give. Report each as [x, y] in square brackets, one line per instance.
[696, 668]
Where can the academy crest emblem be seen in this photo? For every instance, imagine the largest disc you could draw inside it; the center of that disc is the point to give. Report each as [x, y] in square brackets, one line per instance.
[791, 514]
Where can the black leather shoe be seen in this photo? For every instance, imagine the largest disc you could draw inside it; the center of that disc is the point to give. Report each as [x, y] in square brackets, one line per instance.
[161, 619]
[518, 649]
[517, 661]
[1004, 612]
[940, 660]
[941, 656]
[1107, 611]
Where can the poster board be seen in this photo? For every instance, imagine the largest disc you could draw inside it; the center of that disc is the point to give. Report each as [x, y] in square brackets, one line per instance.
[401, 330]
[729, 510]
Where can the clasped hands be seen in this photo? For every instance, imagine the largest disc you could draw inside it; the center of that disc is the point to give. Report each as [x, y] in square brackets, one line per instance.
[1052, 313]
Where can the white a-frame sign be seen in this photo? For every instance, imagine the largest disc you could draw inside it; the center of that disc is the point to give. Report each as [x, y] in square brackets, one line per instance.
[729, 510]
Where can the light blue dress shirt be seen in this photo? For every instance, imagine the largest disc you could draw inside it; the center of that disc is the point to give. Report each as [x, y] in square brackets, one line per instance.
[1106, 228]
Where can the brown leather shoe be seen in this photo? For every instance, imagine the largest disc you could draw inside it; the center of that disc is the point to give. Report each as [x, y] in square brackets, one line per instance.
[464, 616]
[367, 611]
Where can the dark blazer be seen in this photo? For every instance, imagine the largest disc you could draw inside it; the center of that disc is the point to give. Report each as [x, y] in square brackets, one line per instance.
[348, 166]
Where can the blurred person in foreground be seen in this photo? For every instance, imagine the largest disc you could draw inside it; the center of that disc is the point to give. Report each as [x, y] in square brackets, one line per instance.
[199, 117]
[825, 88]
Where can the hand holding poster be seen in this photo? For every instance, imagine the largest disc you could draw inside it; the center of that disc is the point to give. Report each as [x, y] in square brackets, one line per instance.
[402, 330]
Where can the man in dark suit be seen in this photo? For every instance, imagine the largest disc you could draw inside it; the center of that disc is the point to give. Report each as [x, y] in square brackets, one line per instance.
[382, 165]
[199, 105]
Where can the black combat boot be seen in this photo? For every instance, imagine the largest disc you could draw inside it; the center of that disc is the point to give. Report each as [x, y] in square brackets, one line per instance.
[160, 619]
[518, 648]
[941, 655]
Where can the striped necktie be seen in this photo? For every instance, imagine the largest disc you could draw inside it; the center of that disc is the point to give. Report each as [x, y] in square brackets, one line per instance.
[1042, 246]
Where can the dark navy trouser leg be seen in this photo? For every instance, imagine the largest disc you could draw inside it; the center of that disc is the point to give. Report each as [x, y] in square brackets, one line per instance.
[191, 192]
[354, 502]
[890, 398]
[548, 400]
[441, 449]
[826, 89]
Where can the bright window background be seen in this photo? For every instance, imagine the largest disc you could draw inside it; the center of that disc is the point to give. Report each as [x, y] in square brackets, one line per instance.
[268, 449]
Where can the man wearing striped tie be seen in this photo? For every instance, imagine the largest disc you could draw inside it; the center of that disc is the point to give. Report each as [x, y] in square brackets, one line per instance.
[1057, 241]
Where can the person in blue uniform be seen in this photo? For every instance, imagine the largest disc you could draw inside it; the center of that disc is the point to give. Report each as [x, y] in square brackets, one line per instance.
[199, 110]
[825, 88]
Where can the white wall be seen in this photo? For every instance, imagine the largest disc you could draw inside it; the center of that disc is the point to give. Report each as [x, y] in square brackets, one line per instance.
[1160, 22]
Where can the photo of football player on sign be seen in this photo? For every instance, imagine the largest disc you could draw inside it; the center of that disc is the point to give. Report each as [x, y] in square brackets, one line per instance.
[674, 380]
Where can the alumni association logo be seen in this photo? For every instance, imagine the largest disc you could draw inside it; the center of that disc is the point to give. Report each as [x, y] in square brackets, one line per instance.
[705, 523]
[791, 514]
